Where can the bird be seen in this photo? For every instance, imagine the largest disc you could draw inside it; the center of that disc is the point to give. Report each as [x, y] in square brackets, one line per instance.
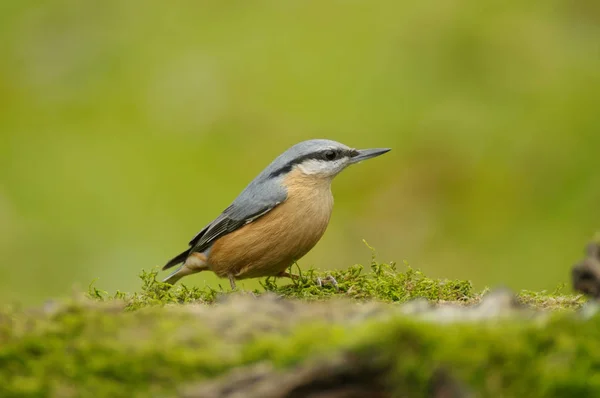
[276, 220]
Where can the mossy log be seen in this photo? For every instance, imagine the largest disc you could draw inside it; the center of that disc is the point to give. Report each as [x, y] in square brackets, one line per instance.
[379, 334]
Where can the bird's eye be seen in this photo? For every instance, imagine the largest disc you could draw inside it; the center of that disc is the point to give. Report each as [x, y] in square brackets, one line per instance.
[330, 155]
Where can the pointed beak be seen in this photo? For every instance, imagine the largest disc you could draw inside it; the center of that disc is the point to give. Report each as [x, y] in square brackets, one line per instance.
[364, 154]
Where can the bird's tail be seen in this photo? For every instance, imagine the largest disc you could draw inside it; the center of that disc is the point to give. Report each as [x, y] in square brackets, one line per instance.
[196, 262]
[181, 257]
[177, 275]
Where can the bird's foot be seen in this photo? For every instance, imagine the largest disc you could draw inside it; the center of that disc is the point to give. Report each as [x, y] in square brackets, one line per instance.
[329, 279]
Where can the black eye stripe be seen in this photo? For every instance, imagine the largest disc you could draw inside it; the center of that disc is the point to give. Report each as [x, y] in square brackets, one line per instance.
[320, 155]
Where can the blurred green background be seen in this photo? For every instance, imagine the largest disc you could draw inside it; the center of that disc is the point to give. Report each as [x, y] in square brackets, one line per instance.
[125, 127]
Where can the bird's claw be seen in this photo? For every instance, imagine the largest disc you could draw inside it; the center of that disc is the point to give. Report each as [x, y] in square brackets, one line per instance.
[320, 282]
[330, 279]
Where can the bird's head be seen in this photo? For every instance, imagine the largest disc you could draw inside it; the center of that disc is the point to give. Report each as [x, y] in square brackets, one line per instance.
[320, 158]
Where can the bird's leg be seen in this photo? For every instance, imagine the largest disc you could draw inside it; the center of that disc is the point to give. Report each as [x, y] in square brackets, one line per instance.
[232, 281]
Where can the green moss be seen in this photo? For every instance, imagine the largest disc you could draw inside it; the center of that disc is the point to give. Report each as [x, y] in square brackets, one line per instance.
[556, 300]
[385, 283]
[154, 293]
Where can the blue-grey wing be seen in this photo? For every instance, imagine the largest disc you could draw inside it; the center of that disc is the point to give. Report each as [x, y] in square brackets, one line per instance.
[249, 206]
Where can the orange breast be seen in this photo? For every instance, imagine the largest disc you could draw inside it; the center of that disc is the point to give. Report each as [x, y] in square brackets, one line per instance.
[272, 243]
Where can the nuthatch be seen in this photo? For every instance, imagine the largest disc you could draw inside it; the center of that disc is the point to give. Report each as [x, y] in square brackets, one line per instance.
[278, 218]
